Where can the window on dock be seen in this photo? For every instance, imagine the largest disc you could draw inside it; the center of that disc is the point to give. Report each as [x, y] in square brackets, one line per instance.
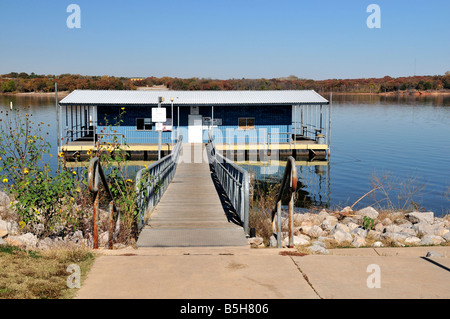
[246, 123]
[144, 124]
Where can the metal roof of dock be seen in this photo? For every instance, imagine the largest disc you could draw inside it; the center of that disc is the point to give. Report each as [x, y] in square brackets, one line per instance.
[122, 97]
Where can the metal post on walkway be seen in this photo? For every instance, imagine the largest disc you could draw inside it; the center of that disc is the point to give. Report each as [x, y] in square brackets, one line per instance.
[160, 99]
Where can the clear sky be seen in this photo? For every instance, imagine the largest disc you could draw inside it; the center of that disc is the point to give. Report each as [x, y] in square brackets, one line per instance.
[225, 39]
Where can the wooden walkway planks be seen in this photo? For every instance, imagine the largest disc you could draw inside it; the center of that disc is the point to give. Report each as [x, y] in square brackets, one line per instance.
[190, 212]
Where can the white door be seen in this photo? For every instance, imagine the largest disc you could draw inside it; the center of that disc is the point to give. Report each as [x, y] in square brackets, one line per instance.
[195, 129]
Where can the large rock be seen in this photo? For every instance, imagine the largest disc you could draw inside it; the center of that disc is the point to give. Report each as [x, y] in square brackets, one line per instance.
[3, 233]
[374, 234]
[4, 199]
[329, 222]
[300, 240]
[377, 244]
[359, 231]
[323, 215]
[441, 231]
[417, 217]
[434, 254]
[447, 237]
[256, 241]
[342, 236]
[77, 237]
[395, 236]
[351, 226]
[379, 227]
[358, 241]
[339, 227]
[428, 240]
[318, 249]
[45, 243]
[412, 240]
[314, 231]
[306, 226]
[393, 229]
[103, 239]
[410, 231]
[28, 240]
[368, 212]
[12, 228]
[424, 228]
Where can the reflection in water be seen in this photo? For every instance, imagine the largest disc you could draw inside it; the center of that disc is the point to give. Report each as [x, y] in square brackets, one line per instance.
[313, 181]
[402, 99]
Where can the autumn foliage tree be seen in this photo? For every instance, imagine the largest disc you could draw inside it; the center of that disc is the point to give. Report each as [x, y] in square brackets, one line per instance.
[23, 82]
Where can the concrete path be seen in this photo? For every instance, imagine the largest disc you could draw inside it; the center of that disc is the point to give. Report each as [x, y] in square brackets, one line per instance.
[190, 212]
[242, 273]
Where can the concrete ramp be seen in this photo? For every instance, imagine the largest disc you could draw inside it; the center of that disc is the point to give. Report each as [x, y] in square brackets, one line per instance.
[190, 213]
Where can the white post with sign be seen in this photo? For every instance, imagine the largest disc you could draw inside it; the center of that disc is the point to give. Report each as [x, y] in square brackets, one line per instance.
[159, 117]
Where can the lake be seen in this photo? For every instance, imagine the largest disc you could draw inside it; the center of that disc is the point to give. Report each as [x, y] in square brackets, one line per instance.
[403, 141]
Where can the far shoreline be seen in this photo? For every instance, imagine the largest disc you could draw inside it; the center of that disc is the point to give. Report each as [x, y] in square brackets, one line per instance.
[37, 94]
[397, 93]
[392, 93]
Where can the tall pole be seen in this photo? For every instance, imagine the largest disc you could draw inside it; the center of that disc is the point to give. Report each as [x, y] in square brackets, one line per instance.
[57, 117]
[160, 99]
[171, 132]
[329, 124]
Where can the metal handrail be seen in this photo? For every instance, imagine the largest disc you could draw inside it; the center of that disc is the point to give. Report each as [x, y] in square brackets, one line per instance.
[234, 180]
[290, 174]
[96, 173]
[152, 182]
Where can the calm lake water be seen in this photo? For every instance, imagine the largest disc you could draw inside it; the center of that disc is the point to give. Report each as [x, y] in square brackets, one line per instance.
[404, 140]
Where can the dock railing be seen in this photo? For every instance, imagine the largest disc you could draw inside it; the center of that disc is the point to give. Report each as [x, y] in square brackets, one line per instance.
[234, 180]
[289, 176]
[152, 182]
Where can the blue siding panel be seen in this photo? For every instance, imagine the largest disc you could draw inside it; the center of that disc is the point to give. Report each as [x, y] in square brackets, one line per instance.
[268, 119]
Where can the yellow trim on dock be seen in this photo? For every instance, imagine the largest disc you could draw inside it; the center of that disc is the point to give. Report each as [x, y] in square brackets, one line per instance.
[257, 147]
[84, 147]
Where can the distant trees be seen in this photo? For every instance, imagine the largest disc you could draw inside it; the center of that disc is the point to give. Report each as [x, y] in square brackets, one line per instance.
[23, 82]
[8, 86]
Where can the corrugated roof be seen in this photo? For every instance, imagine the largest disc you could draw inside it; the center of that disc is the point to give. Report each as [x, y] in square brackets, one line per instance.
[96, 97]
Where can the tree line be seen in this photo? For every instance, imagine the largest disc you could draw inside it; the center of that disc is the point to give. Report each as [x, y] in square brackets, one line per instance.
[22, 82]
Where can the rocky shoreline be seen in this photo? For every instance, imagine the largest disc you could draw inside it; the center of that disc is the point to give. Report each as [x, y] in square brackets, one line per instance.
[318, 232]
[313, 232]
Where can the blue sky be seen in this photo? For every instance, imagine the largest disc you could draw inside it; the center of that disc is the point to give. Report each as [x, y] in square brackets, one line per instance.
[226, 39]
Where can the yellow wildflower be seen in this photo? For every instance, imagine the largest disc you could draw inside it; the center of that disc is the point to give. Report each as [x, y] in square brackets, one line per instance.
[22, 224]
[74, 173]
[5, 180]
[145, 166]
[61, 154]
[129, 181]
[25, 171]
